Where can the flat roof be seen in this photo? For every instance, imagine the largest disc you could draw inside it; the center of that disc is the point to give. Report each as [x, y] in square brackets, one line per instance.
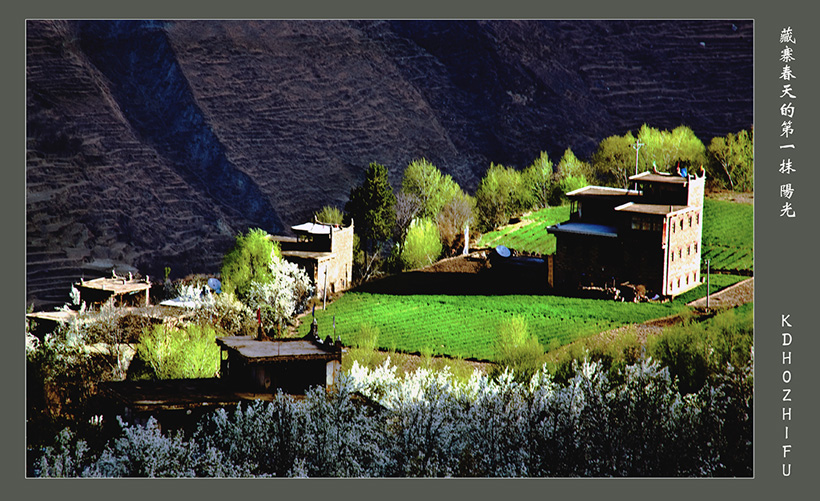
[312, 228]
[307, 254]
[658, 178]
[596, 191]
[116, 285]
[600, 230]
[659, 209]
[275, 351]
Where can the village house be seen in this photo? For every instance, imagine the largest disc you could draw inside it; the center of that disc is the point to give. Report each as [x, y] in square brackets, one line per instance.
[324, 251]
[649, 236]
[250, 369]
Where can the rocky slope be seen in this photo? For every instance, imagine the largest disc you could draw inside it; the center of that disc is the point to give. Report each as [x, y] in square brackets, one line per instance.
[150, 144]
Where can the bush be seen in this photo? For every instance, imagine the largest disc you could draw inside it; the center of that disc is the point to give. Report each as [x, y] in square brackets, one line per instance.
[329, 215]
[185, 353]
[422, 246]
[517, 350]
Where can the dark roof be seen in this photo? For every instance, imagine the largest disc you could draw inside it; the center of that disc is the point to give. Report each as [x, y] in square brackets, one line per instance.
[280, 350]
[658, 178]
[177, 394]
[659, 209]
[600, 230]
[601, 191]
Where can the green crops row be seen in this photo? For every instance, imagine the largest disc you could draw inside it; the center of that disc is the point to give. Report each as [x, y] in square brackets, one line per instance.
[466, 326]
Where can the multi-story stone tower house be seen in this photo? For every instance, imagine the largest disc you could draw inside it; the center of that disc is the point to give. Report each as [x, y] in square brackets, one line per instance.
[648, 236]
[325, 251]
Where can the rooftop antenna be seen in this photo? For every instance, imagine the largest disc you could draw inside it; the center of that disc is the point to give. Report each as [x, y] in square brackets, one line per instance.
[637, 147]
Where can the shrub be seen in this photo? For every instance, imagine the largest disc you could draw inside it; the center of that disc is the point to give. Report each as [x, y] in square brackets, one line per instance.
[329, 215]
[422, 246]
[517, 350]
[172, 353]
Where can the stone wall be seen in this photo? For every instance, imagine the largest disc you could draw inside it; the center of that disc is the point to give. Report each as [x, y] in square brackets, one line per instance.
[683, 250]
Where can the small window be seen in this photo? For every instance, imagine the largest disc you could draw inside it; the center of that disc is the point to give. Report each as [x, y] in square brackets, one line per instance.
[678, 282]
[680, 252]
[689, 250]
[681, 223]
[697, 218]
[673, 256]
[690, 221]
[696, 246]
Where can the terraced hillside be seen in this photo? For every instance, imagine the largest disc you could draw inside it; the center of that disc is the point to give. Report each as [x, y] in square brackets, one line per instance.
[150, 144]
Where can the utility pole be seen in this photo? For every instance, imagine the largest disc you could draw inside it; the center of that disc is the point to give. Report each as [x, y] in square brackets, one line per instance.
[637, 146]
[707, 285]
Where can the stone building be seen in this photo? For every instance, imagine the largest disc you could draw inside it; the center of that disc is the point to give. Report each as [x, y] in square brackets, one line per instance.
[649, 236]
[325, 251]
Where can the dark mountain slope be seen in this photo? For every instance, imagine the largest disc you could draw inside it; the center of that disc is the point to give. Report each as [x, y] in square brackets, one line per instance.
[151, 144]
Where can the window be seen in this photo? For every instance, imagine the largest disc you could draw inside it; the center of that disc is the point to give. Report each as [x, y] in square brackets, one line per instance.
[696, 246]
[678, 282]
[697, 218]
[689, 250]
[673, 256]
[690, 221]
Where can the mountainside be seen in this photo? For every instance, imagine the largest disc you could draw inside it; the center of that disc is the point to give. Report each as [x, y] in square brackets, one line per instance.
[151, 144]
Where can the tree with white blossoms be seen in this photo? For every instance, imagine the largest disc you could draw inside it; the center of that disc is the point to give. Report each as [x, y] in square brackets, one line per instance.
[431, 423]
[286, 295]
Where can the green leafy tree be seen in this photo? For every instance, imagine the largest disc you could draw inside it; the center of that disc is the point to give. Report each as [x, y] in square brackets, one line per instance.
[668, 148]
[372, 206]
[432, 188]
[731, 159]
[501, 194]
[248, 262]
[539, 178]
[329, 215]
[614, 160]
[422, 245]
[570, 165]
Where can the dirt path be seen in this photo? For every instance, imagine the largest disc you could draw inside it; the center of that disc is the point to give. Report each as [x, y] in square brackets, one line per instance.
[734, 295]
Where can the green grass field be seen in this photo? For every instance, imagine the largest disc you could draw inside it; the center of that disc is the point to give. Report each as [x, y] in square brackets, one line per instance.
[530, 234]
[728, 235]
[466, 326]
